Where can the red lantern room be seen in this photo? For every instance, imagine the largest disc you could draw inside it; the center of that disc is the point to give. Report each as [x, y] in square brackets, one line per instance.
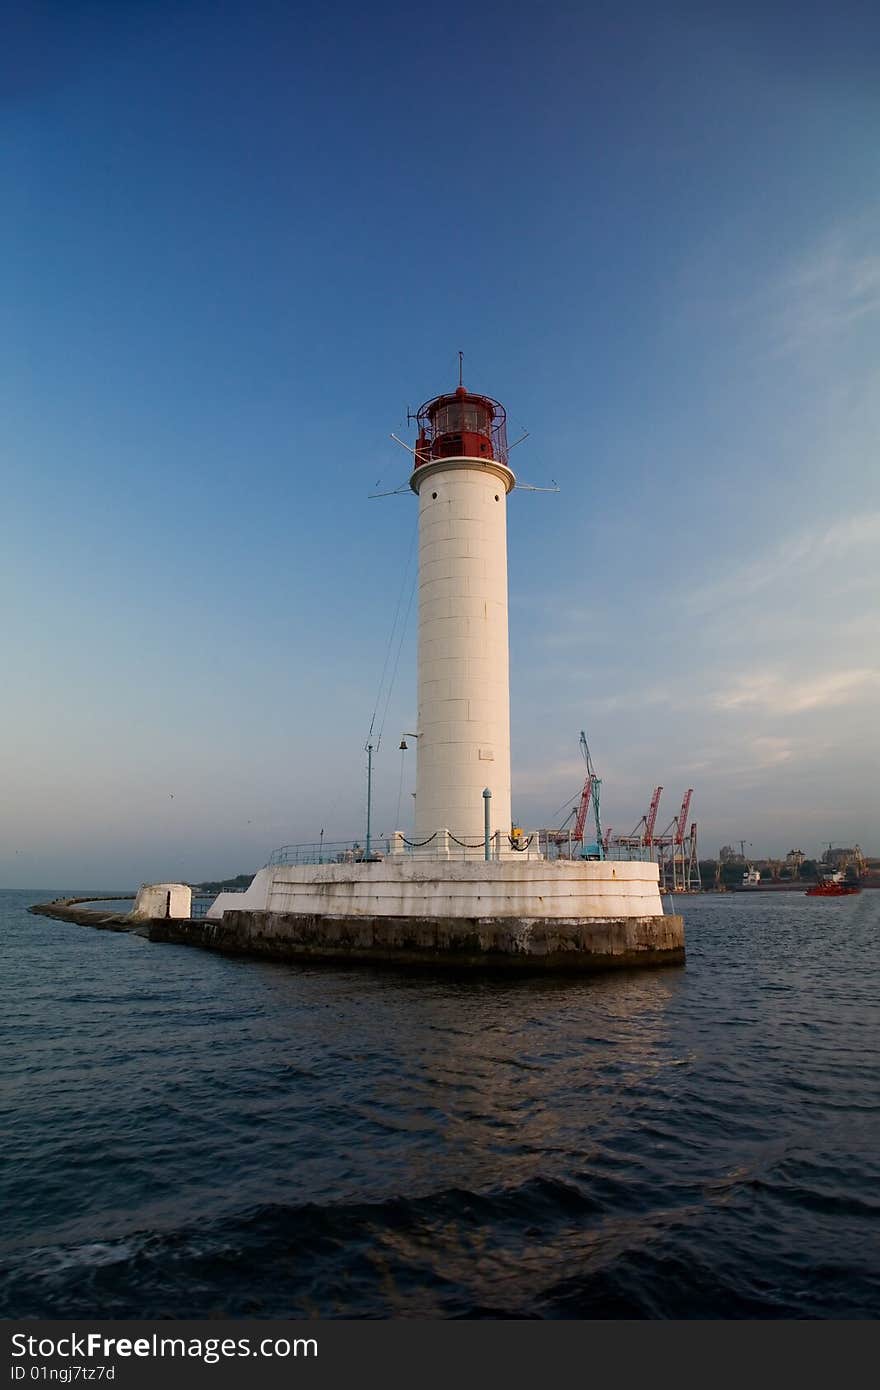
[461, 425]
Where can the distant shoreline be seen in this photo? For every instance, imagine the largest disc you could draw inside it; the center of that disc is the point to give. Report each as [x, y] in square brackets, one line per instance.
[800, 887]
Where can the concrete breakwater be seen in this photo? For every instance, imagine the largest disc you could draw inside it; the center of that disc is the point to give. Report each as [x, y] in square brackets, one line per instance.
[70, 910]
[566, 944]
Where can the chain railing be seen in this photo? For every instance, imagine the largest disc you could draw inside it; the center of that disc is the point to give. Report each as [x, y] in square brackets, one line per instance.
[446, 844]
[442, 844]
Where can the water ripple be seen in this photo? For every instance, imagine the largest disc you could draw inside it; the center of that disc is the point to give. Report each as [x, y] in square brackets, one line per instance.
[195, 1136]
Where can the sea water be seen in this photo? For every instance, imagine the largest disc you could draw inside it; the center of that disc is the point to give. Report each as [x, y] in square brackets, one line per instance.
[190, 1135]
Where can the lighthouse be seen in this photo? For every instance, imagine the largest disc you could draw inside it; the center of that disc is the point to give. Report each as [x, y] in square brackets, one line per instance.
[462, 479]
[464, 891]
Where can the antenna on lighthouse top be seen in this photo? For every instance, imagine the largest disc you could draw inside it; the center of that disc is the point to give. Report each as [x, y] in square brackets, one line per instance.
[460, 361]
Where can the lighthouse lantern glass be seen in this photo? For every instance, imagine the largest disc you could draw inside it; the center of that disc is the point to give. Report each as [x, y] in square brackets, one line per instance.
[463, 415]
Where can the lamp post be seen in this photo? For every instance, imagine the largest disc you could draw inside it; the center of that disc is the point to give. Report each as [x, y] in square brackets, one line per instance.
[403, 746]
[369, 849]
[487, 803]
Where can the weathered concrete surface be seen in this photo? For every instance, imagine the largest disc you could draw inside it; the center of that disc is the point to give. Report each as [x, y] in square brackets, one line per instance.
[162, 900]
[414, 889]
[68, 910]
[569, 944]
[566, 944]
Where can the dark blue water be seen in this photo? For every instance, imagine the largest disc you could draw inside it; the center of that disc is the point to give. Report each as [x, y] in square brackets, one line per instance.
[191, 1135]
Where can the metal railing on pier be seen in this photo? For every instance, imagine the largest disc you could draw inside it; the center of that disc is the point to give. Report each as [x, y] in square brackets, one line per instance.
[328, 852]
[202, 901]
[441, 845]
[559, 844]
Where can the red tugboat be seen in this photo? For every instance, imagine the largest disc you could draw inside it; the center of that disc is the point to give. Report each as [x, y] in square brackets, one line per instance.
[833, 887]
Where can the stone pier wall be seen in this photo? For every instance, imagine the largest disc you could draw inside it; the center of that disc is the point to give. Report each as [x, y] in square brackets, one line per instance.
[495, 942]
[506, 943]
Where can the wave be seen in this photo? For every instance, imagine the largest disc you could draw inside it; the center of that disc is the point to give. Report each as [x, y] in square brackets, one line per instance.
[546, 1248]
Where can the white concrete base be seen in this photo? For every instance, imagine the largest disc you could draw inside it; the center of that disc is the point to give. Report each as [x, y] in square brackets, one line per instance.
[393, 887]
[162, 900]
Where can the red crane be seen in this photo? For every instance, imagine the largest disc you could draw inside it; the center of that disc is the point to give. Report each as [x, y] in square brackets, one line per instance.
[651, 817]
[681, 828]
[583, 808]
[589, 796]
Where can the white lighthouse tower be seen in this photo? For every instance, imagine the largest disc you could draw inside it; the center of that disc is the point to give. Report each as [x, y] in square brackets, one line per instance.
[462, 479]
[455, 894]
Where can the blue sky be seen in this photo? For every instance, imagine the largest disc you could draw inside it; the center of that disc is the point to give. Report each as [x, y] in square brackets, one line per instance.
[237, 240]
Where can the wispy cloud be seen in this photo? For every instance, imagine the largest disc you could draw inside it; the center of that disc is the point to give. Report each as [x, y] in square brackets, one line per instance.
[641, 697]
[770, 751]
[774, 693]
[808, 551]
[828, 290]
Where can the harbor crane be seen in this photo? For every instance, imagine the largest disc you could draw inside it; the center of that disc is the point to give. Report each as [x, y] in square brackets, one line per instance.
[590, 796]
[589, 799]
[683, 815]
[674, 848]
[651, 817]
[642, 837]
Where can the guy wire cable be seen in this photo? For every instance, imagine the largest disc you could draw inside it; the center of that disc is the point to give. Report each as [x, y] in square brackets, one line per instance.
[397, 660]
[390, 644]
